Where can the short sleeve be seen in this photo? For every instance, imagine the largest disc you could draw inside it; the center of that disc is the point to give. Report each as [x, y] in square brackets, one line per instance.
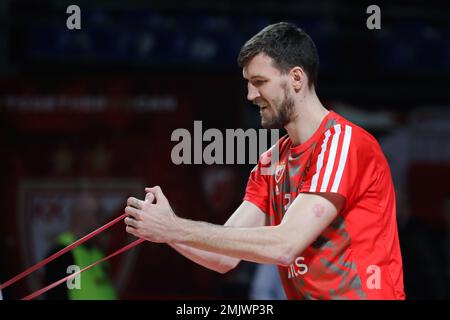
[336, 163]
[257, 191]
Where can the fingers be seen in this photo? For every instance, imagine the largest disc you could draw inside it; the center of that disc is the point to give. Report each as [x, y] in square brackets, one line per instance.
[131, 230]
[134, 202]
[157, 192]
[130, 222]
[149, 197]
[134, 213]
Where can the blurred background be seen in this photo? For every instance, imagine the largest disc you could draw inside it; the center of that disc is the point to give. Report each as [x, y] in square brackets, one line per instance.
[91, 112]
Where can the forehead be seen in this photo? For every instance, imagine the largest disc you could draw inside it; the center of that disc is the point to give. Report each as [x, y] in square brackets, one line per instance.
[260, 66]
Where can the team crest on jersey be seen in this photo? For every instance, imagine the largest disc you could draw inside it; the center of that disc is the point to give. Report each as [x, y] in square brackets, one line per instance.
[279, 172]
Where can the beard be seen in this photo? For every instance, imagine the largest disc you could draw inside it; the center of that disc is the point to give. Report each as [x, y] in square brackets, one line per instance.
[280, 113]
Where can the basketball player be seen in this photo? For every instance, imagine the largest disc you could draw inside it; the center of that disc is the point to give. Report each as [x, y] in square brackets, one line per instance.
[330, 202]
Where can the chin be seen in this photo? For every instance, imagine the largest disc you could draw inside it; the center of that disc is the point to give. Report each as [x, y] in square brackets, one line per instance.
[265, 124]
[270, 125]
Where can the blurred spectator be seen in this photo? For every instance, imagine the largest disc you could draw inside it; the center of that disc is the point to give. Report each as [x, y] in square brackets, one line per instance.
[95, 284]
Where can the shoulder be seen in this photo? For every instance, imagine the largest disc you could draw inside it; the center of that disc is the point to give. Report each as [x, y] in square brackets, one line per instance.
[343, 132]
[344, 144]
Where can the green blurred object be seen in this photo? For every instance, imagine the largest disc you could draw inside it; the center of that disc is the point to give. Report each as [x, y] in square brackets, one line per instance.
[94, 283]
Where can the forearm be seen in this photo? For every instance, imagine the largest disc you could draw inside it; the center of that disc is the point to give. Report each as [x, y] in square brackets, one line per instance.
[243, 237]
[257, 244]
[246, 215]
[214, 261]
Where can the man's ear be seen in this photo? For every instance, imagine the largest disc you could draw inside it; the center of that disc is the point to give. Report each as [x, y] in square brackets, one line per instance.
[298, 77]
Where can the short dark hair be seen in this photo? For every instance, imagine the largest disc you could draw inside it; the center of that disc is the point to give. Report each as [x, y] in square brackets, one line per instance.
[288, 46]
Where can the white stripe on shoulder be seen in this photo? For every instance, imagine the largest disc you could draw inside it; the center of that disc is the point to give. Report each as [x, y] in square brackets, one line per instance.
[315, 178]
[342, 161]
[331, 158]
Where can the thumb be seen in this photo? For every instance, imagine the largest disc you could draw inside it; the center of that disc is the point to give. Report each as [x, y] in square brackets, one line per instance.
[157, 192]
[150, 197]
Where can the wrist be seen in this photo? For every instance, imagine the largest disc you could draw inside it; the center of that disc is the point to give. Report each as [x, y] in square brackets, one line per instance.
[179, 225]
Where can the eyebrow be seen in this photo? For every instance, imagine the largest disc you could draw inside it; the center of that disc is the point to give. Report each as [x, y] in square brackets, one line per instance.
[257, 76]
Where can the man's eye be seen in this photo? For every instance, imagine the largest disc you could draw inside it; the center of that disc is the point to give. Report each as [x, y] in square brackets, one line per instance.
[259, 82]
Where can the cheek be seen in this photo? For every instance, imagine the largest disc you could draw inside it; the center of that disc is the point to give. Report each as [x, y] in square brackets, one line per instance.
[318, 210]
[276, 102]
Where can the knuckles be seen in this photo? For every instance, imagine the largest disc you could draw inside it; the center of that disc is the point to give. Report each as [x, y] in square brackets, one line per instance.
[138, 215]
[129, 200]
[129, 230]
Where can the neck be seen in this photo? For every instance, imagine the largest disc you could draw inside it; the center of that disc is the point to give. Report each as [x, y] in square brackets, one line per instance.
[309, 113]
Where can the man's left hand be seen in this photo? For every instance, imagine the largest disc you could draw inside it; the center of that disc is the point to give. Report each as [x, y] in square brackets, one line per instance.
[152, 219]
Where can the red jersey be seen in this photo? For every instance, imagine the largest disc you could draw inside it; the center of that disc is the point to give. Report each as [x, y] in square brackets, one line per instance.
[358, 255]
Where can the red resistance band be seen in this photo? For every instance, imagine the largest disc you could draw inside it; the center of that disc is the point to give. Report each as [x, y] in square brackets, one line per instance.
[66, 249]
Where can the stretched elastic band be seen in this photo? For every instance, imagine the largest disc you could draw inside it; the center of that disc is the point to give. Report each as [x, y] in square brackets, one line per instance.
[61, 252]
[56, 283]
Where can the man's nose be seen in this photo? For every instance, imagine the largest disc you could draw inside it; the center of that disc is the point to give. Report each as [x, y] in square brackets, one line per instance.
[253, 92]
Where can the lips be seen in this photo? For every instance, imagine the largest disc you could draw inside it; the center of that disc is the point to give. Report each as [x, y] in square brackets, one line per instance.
[262, 105]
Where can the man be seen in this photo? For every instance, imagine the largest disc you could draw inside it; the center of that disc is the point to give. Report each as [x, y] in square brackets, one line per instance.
[94, 284]
[330, 203]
